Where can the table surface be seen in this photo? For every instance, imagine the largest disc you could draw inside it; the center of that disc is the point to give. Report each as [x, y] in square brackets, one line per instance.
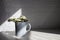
[34, 35]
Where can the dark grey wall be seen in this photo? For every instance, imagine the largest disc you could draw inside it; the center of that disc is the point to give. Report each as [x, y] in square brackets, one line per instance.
[7, 8]
[41, 13]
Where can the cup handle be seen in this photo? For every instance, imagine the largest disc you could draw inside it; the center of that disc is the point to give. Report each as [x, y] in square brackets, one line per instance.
[29, 25]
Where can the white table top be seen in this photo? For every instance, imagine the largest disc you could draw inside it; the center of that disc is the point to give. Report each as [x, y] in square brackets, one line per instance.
[34, 35]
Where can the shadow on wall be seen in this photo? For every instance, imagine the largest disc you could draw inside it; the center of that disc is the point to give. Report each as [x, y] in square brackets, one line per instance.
[52, 19]
[43, 14]
[8, 8]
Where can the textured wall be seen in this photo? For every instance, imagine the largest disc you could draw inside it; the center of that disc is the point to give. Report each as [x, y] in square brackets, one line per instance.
[41, 13]
[7, 8]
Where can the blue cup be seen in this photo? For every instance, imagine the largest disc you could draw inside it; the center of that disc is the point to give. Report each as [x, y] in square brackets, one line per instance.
[22, 28]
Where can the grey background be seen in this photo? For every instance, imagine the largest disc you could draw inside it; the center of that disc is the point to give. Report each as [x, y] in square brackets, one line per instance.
[41, 13]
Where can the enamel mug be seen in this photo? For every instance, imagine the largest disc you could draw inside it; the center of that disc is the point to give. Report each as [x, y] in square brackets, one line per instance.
[22, 28]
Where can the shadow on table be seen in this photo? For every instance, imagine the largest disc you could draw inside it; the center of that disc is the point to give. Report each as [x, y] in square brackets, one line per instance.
[7, 37]
[48, 30]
